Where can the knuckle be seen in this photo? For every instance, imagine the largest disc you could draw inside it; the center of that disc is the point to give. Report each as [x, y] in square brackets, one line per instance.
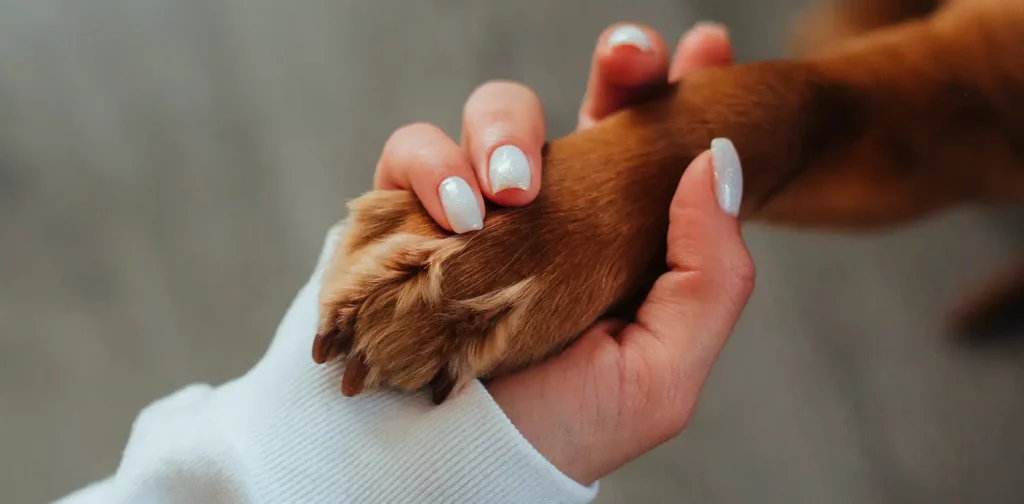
[737, 281]
[503, 111]
[420, 147]
[742, 274]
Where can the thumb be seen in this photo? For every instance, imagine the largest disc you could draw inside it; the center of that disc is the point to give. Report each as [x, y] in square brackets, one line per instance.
[691, 310]
[607, 399]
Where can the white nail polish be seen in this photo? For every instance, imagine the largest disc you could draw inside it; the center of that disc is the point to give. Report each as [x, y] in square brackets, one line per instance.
[728, 175]
[711, 26]
[629, 35]
[508, 168]
[460, 205]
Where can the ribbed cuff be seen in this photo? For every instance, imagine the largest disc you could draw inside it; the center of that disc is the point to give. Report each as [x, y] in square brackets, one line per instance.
[283, 433]
[384, 446]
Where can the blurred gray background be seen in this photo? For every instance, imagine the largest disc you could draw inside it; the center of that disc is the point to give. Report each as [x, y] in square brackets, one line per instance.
[168, 170]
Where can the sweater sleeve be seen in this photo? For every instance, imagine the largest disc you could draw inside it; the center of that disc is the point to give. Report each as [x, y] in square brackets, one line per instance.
[283, 433]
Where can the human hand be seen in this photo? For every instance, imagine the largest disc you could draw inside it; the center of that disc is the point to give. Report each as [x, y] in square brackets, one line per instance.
[498, 156]
[281, 431]
[621, 389]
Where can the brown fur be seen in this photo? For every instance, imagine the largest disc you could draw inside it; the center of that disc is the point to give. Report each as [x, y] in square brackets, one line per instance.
[878, 128]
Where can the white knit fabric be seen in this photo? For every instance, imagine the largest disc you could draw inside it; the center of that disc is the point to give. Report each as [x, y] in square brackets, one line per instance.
[282, 433]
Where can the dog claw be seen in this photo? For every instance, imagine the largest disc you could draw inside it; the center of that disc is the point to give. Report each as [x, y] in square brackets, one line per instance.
[355, 376]
[331, 343]
[322, 345]
[442, 386]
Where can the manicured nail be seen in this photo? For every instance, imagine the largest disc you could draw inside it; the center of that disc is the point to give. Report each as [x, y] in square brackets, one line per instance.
[728, 175]
[629, 35]
[509, 168]
[710, 26]
[701, 29]
[460, 205]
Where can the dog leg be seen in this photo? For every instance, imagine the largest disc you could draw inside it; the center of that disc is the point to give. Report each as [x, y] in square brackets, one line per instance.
[906, 121]
[833, 22]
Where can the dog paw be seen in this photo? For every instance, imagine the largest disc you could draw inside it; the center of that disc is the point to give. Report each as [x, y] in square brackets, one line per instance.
[407, 304]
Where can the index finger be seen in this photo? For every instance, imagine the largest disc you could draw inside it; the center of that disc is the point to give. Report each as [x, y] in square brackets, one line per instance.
[703, 46]
[628, 59]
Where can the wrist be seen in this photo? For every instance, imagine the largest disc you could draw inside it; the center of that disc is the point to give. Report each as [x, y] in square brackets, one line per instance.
[565, 413]
[545, 428]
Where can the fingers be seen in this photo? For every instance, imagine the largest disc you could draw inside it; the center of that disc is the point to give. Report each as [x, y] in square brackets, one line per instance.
[705, 45]
[424, 159]
[503, 126]
[628, 60]
[691, 310]
[503, 132]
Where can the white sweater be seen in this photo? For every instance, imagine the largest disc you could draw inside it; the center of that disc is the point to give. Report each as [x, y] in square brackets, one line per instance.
[283, 433]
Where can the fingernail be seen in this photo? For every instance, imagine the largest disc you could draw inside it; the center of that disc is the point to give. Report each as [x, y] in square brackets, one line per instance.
[728, 175]
[710, 26]
[509, 168]
[629, 35]
[460, 205]
[704, 28]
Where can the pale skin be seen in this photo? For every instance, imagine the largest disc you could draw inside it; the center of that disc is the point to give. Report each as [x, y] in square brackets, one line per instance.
[622, 389]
